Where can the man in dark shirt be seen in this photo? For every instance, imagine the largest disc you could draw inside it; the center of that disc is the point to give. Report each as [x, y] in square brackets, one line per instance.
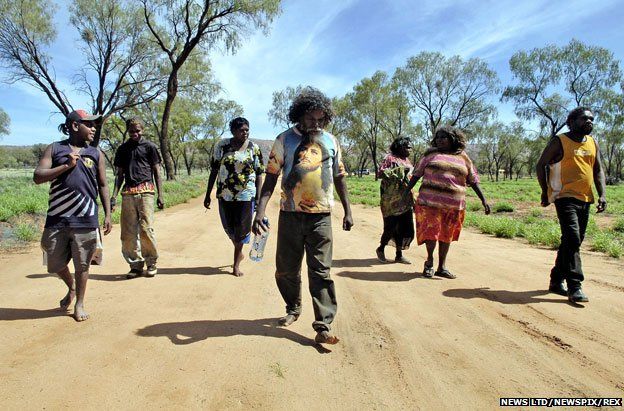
[138, 166]
[77, 174]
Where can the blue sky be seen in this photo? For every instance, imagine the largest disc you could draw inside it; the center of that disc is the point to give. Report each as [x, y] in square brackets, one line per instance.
[333, 44]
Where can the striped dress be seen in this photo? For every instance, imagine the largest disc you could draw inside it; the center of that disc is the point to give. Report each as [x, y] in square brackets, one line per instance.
[441, 203]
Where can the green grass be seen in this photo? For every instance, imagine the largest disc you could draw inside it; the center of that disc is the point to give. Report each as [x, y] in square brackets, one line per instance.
[526, 219]
[503, 207]
[20, 197]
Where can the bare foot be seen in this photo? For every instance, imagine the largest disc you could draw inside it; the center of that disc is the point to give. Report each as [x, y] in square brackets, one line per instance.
[67, 300]
[80, 314]
[237, 272]
[324, 337]
[286, 320]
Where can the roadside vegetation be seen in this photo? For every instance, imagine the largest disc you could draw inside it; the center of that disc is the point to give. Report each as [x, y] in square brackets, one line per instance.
[23, 204]
[516, 213]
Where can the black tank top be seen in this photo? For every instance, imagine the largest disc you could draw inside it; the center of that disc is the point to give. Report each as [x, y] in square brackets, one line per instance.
[73, 194]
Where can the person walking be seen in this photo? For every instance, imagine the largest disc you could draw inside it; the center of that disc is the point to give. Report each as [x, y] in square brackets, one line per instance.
[311, 161]
[440, 209]
[77, 173]
[396, 208]
[138, 167]
[237, 167]
[566, 169]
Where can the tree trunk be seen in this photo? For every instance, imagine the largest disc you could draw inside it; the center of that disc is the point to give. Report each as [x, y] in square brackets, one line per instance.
[172, 91]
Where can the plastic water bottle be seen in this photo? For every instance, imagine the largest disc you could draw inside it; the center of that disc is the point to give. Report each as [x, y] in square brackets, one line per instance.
[259, 242]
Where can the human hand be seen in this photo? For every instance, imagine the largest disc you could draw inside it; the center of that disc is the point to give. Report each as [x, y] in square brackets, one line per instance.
[207, 202]
[159, 203]
[107, 226]
[347, 222]
[486, 208]
[602, 205]
[72, 160]
[113, 203]
[259, 224]
[545, 201]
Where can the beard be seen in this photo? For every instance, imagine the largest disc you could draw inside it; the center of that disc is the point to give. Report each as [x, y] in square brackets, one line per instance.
[297, 173]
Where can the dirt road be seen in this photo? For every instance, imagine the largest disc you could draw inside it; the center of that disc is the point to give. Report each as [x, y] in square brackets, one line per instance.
[196, 337]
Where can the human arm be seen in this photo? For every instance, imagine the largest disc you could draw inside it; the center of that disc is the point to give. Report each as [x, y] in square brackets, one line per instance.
[343, 194]
[550, 153]
[600, 181]
[158, 180]
[211, 181]
[259, 180]
[270, 182]
[119, 178]
[477, 189]
[104, 194]
[44, 171]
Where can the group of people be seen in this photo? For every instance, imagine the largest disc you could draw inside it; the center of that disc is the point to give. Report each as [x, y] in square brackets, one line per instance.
[310, 159]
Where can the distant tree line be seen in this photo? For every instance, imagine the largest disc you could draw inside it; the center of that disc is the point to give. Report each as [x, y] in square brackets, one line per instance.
[145, 57]
[431, 89]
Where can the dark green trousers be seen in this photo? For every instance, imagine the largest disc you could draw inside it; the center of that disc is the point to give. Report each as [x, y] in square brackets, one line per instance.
[312, 233]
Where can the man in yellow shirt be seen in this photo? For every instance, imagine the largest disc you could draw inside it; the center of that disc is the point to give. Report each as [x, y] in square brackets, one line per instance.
[569, 164]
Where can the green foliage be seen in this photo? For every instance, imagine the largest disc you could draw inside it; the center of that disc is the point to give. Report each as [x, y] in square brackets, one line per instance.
[610, 243]
[5, 122]
[503, 208]
[448, 88]
[19, 195]
[26, 232]
[580, 71]
[536, 226]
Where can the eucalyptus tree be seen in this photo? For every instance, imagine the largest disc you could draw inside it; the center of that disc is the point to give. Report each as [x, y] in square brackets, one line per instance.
[282, 99]
[5, 122]
[447, 90]
[119, 69]
[610, 132]
[550, 81]
[378, 112]
[179, 27]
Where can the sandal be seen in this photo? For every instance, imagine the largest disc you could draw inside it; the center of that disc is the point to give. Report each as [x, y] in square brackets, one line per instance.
[428, 270]
[445, 273]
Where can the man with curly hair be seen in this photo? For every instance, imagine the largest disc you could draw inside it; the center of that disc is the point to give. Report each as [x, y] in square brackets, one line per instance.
[311, 160]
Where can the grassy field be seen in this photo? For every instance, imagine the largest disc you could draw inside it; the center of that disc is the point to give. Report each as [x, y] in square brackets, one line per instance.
[23, 204]
[516, 212]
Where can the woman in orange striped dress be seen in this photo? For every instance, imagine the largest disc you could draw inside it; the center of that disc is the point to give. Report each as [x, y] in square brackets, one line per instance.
[440, 208]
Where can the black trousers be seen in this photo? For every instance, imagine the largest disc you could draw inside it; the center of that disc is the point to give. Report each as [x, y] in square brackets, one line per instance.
[573, 215]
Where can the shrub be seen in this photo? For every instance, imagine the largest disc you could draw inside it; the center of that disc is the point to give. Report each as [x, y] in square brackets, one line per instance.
[607, 243]
[26, 232]
[619, 225]
[503, 208]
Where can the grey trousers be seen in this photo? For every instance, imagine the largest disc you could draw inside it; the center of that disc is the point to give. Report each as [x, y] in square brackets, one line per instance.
[312, 233]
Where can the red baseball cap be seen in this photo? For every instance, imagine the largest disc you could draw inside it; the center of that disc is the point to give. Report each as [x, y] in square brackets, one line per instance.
[82, 115]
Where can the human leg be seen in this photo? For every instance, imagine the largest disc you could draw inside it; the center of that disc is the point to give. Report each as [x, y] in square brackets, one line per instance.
[428, 267]
[238, 257]
[288, 260]
[318, 246]
[71, 289]
[145, 210]
[386, 235]
[129, 222]
[443, 249]
[83, 246]
[55, 243]
[573, 215]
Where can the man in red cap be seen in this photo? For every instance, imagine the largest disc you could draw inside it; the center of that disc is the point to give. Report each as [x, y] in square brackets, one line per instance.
[77, 174]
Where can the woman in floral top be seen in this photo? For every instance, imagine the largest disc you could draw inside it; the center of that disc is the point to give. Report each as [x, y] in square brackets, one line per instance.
[237, 168]
[396, 206]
